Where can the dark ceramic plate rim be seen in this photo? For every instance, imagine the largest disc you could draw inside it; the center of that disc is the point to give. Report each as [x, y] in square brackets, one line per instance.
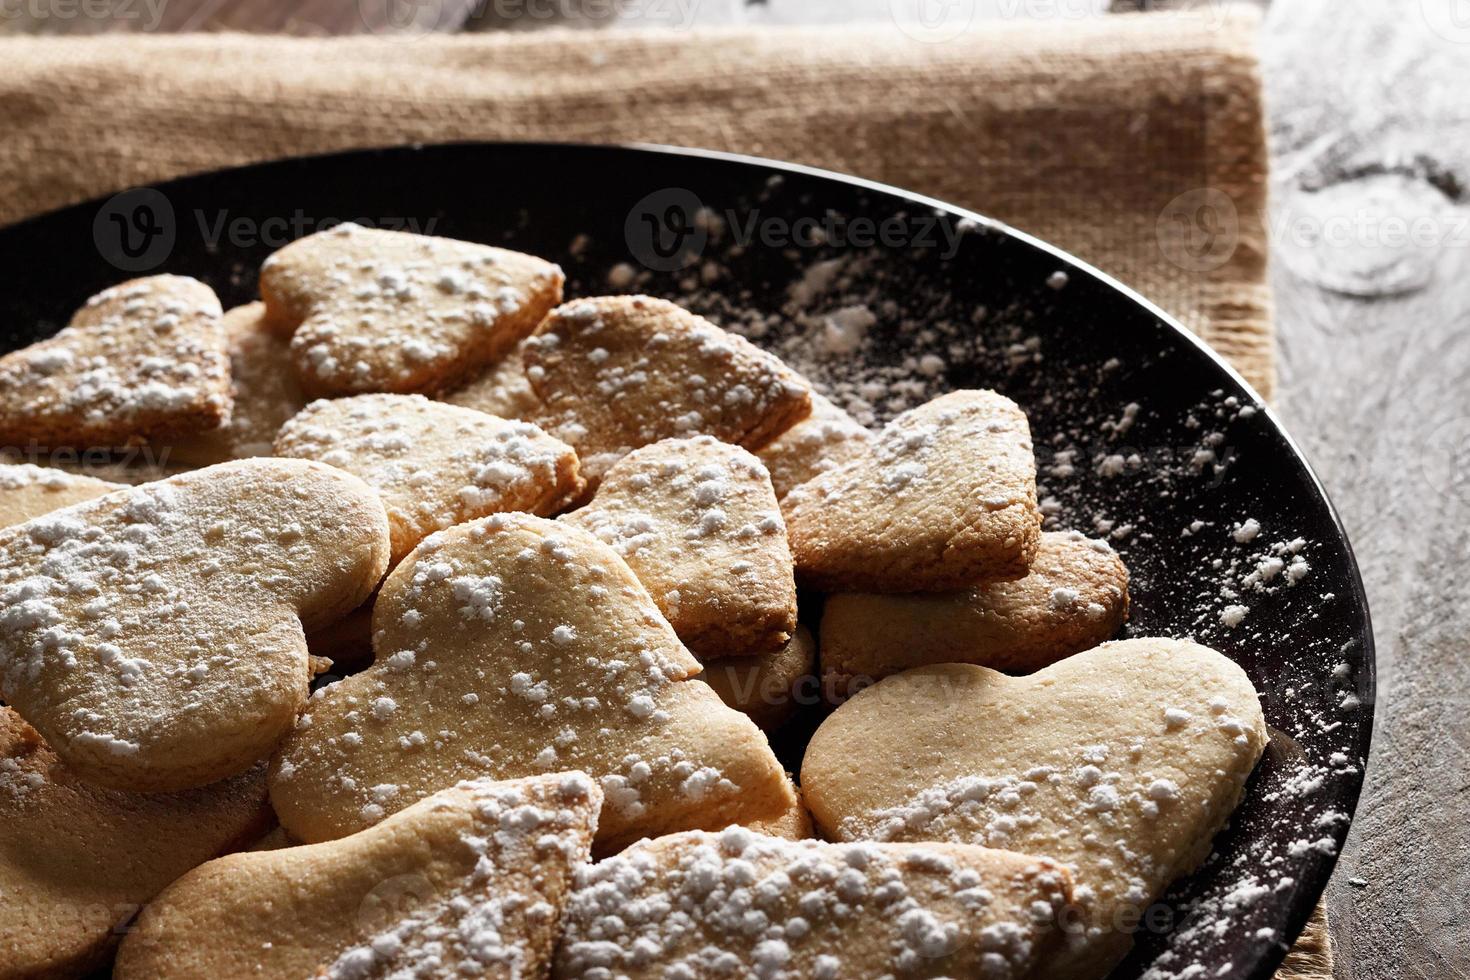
[1365, 681]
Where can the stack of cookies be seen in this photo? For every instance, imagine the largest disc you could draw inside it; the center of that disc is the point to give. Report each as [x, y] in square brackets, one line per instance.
[551, 554]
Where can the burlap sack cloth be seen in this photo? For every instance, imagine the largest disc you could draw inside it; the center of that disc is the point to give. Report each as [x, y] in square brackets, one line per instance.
[1134, 141]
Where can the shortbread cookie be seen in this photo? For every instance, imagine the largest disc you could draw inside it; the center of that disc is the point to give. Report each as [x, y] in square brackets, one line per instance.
[741, 905]
[435, 465]
[944, 498]
[142, 360]
[697, 521]
[503, 390]
[28, 491]
[154, 636]
[1122, 763]
[515, 645]
[794, 824]
[264, 387]
[768, 687]
[1074, 597]
[618, 372]
[469, 882]
[376, 310]
[825, 440]
[76, 861]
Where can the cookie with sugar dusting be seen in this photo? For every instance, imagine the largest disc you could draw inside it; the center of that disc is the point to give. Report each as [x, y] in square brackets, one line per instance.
[740, 904]
[374, 310]
[145, 359]
[469, 882]
[264, 390]
[618, 372]
[154, 636]
[943, 499]
[435, 465]
[1074, 596]
[1121, 762]
[770, 686]
[826, 439]
[28, 491]
[76, 860]
[515, 645]
[503, 390]
[697, 521]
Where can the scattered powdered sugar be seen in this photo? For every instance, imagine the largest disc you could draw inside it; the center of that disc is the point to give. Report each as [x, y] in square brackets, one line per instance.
[1120, 456]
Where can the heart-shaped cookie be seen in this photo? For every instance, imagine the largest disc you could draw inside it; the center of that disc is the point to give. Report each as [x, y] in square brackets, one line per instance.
[1122, 763]
[264, 390]
[143, 360]
[515, 645]
[154, 636]
[618, 372]
[77, 861]
[943, 499]
[28, 491]
[739, 904]
[822, 441]
[378, 310]
[1074, 596]
[434, 464]
[469, 882]
[697, 521]
[770, 686]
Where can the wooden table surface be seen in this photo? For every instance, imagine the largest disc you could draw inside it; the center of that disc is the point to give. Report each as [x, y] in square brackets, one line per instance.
[1370, 132]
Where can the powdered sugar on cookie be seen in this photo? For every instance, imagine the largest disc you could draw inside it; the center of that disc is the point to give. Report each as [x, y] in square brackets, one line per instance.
[142, 360]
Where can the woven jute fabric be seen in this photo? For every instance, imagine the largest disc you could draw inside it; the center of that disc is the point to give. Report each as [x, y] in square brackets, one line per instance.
[1134, 141]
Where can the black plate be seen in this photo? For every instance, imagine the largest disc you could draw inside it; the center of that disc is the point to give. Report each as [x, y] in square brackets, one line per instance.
[734, 238]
